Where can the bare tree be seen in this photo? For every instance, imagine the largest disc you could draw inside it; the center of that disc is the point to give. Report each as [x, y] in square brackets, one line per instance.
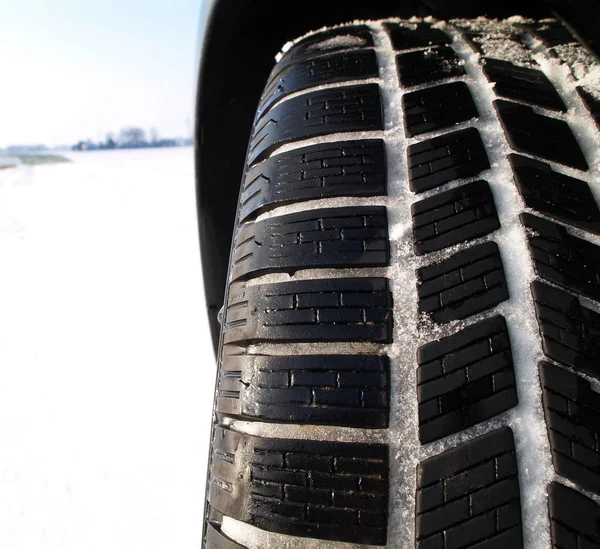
[132, 136]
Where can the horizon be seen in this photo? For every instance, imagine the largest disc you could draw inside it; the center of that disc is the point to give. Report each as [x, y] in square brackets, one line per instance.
[83, 70]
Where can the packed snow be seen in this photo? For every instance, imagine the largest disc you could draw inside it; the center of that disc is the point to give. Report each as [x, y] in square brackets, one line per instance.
[105, 355]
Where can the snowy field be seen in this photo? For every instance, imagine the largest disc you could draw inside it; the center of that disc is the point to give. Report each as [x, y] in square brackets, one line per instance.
[106, 365]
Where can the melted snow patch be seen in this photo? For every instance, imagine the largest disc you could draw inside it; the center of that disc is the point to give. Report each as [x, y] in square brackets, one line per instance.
[342, 41]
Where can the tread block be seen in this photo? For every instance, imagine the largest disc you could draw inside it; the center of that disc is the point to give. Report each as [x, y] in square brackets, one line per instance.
[347, 168]
[345, 390]
[464, 379]
[592, 103]
[332, 237]
[551, 33]
[430, 65]
[522, 84]
[326, 69]
[324, 490]
[556, 195]
[568, 261]
[344, 109]
[469, 496]
[437, 108]
[215, 539]
[337, 309]
[324, 43]
[570, 332]
[419, 35]
[468, 282]
[539, 135]
[453, 216]
[450, 156]
[574, 518]
[572, 411]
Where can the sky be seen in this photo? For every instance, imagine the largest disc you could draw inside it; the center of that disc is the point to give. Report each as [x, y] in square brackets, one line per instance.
[79, 69]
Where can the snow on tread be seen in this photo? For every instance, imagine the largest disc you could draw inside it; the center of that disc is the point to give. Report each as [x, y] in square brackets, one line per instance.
[419, 35]
[430, 65]
[479, 141]
[324, 69]
[324, 43]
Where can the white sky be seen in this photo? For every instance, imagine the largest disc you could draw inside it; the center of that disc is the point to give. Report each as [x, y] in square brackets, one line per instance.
[77, 69]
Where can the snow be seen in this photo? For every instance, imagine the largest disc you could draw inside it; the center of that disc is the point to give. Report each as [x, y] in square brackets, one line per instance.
[527, 418]
[343, 40]
[107, 370]
[403, 431]
[491, 36]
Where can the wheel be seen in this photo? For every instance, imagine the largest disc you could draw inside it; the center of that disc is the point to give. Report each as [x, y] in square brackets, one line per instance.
[410, 348]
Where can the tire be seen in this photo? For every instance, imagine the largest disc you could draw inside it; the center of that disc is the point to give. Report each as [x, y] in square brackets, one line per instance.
[410, 348]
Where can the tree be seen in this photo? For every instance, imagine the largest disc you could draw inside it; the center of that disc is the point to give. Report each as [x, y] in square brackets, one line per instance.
[110, 141]
[132, 136]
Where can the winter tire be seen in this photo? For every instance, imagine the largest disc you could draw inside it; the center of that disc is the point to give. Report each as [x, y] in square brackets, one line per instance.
[410, 345]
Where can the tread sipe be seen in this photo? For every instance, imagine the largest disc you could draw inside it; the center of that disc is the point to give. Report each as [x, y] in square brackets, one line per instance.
[410, 344]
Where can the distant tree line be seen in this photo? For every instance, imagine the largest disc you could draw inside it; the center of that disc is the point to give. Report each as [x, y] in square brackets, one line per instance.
[131, 138]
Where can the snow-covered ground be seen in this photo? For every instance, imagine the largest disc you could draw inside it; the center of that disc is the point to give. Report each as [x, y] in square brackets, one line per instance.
[106, 368]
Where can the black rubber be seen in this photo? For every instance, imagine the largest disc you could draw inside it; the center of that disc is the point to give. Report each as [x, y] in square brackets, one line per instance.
[573, 416]
[540, 135]
[466, 283]
[351, 168]
[437, 108]
[464, 379]
[430, 65]
[307, 488]
[451, 156]
[453, 217]
[522, 84]
[371, 332]
[469, 496]
[574, 518]
[556, 195]
[562, 258]
[320, 238]
[346, 109]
